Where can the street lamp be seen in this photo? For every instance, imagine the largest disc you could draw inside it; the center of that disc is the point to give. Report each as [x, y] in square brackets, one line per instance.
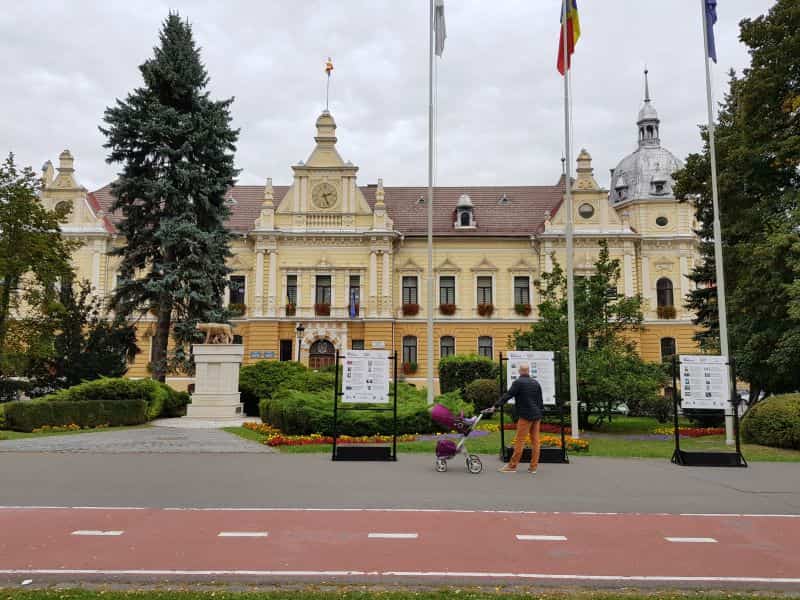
[300, 329]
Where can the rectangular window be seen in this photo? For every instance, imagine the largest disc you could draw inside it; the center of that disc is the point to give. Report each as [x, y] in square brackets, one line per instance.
[484, 289]
[291, 289]
[410, 349]
[237, 289]
[354, 293]
[447, 290]
[522, 290]
[358, 344]
[447, 346]
[323, 289]
[485, 346]
[237, 339]
[410, 290]
[286, 350]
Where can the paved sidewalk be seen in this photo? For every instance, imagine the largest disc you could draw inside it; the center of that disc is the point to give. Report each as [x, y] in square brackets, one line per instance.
[145, 440]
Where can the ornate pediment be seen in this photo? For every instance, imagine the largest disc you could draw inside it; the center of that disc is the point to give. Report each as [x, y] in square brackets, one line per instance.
[522, 266]
[447, 266]
[484, 265]
[409, 266]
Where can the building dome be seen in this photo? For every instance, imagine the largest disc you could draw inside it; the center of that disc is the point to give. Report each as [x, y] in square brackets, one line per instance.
[647, 172]
[464, 201]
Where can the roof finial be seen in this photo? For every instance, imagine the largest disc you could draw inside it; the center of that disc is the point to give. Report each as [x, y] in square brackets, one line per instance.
[646, 86]
[563, 165]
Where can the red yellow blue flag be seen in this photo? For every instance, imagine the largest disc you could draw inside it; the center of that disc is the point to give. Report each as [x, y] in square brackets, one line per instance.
[573, 33]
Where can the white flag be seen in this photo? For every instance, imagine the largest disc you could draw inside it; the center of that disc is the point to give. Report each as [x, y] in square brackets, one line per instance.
[438, 26]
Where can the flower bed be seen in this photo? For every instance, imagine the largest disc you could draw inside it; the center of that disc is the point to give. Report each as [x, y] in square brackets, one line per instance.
[691, 432]
[70, 427]
[275, 438]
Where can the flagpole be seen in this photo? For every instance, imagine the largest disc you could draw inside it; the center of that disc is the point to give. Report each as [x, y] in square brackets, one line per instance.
[573, 362]
[723, 313]
[429, 308]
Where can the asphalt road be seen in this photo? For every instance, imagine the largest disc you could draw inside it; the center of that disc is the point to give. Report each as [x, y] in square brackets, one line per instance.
[313, 481]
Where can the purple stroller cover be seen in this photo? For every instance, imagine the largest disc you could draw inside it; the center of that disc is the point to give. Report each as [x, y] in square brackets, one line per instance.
[446, 449]
[441, 415]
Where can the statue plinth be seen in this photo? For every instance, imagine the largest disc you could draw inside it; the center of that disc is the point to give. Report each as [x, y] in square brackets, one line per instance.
[216, 387]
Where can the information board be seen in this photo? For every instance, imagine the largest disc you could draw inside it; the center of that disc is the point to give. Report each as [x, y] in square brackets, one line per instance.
[542, 368]
[366, 377]
[704, 382]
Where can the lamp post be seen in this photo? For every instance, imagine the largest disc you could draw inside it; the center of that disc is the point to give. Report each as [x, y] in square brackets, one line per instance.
[300, 329]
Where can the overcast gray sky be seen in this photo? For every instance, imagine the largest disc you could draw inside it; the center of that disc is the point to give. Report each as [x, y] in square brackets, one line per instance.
[499, 95]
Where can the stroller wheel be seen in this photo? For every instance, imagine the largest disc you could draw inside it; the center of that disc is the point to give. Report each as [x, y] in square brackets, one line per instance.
[474, 464]
[441, 465]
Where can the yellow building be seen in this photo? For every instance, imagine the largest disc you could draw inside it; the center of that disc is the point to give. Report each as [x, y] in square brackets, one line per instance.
[348, 262]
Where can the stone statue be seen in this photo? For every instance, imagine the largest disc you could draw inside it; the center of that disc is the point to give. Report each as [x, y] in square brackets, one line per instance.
[216, 333]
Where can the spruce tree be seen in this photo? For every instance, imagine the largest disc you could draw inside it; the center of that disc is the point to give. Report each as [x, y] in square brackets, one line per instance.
[176, 148]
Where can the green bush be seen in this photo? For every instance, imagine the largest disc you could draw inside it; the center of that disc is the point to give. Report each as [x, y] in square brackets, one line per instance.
[260, 380]
[774, 422]
[457, 371]
[482, 393]
[660, 407]
[3, 416]
[30, 415]
[297, 412]
[162, 400]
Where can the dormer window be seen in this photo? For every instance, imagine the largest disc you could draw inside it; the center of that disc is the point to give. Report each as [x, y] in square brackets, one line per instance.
[504, 200]
[464, 215]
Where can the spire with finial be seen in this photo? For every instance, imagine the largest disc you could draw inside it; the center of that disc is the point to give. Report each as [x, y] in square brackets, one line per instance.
[379, 195]
[648, 121]
[646, 86]
[266, 219]
[269, 195]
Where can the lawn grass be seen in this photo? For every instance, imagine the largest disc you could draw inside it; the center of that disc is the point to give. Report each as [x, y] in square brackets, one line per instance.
[7, 434]
[615, 445]
[362, 593]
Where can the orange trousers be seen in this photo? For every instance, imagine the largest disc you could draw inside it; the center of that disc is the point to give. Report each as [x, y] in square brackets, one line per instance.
[526, 429]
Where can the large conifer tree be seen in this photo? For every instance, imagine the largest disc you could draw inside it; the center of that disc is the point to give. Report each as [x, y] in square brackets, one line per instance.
[176, 148]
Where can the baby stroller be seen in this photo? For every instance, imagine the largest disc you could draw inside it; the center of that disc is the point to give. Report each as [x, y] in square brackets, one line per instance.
[447, 449]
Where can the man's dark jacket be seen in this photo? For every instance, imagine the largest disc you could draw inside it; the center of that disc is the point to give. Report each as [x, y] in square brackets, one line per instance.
[527, 394]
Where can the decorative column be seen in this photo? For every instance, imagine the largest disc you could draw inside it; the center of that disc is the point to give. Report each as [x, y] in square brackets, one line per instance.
[684, 271]
[386, 302]
[96, 268]
[259, 308]
[646, 281]
[627, 265]
[272, 286]
[373, 283]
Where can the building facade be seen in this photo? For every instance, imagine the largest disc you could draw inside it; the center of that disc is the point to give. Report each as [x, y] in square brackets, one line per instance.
[325, 264]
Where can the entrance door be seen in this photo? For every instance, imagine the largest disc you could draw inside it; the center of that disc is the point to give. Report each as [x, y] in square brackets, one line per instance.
[286, 350]
[322, 354]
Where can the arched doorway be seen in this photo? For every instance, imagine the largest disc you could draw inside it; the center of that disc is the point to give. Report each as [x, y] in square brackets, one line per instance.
[321, 354]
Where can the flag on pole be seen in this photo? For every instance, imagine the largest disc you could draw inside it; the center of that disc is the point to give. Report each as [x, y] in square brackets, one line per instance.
[711, 19]
[353, 304]
[438, 26]
[573, 33]
[328, 66]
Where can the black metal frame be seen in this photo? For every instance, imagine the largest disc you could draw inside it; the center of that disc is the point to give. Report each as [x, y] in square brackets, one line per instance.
[707, 459]
[546, 455]
[367, 452]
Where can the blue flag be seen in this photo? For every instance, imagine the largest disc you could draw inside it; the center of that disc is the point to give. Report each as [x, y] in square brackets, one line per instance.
[353, 309]
[711, 19]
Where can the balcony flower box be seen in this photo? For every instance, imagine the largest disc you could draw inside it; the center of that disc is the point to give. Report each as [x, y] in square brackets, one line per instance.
[485, 310]
[447, 309]
[237, 310]
[522, 309]
[291, 309]
[322, 309]
[409, 368]
[666, 312]
[410, 310]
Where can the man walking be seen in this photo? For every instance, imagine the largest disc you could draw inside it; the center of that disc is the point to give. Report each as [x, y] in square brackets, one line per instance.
[527, 394]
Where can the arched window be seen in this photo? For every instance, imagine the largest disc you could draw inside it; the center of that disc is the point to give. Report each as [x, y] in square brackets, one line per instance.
[465, 218]
[667, 348]
[410, 349]
[447, 346]
[664, 294]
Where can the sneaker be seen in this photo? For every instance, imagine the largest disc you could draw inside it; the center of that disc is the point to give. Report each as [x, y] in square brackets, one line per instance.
[506, 469]
[532, 471]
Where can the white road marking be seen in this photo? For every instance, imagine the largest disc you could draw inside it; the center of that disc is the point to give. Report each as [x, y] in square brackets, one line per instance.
[446, 574]
[244, 534]
[691, 540]
[394, 536]
[96, 532]
[541, 538]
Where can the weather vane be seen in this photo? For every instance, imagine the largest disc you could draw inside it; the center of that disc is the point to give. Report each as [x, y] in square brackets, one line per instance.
[328, 69]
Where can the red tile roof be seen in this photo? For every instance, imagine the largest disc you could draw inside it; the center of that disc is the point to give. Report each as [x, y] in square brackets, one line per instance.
[522, 212]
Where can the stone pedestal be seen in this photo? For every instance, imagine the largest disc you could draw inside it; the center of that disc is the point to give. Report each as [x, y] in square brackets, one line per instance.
[216, 387]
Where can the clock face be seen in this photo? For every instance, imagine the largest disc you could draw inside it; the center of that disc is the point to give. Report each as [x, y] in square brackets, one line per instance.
[324, 195]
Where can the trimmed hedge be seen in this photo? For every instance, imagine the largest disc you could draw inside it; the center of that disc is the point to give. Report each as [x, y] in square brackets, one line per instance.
[774, 422]
[30, 415]
[299, 412]
[261, 380]
[457, 371]
[162, 400]
[482, 393]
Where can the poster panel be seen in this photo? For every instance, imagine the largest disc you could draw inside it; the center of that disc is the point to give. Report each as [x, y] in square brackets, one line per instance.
[542, 368]
[704, 381]
[366, 377]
